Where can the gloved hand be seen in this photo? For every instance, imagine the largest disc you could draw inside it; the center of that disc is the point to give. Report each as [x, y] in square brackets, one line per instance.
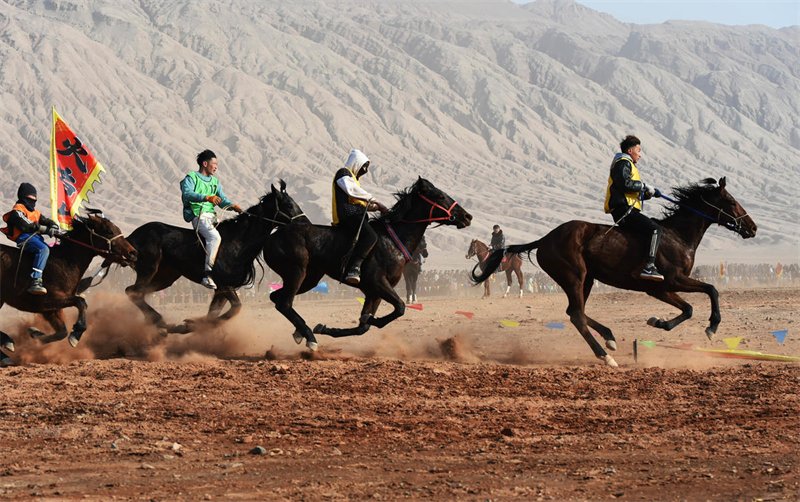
[236, 208]
[214, 199]
[47, 230]
[381, 207]
[658, 193]
[649, 190]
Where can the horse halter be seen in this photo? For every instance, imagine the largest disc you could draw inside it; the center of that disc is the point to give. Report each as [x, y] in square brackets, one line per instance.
[278, 213]
[435, 205]
[93, 234]
[736, 221]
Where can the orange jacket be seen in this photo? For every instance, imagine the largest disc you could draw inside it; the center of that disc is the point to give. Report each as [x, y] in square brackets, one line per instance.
[13, 231]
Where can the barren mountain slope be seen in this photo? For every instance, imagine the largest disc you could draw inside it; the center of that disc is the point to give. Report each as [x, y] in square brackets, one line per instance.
[514, 110]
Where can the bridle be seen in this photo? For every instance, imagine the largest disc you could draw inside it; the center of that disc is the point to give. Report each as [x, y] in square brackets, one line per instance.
[435, 205]
[92, 235]
[278, 212]
[736, 221]
[474, 252]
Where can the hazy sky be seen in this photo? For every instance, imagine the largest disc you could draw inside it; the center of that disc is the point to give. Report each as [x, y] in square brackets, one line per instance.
[773, 13]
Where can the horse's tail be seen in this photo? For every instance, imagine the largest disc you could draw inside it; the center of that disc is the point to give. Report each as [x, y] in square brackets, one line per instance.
[492, 261]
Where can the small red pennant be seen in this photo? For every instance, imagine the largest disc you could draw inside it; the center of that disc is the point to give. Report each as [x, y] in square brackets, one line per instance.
[468, 315]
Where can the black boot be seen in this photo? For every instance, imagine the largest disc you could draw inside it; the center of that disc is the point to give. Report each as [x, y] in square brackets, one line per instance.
[650, 272]
[353, 275]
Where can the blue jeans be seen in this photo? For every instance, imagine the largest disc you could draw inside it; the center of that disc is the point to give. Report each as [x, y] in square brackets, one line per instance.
[41, 250]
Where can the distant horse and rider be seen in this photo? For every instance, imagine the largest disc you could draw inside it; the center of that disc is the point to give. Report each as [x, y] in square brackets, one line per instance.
[412, 270]
[90, 236]
[577, 253]
[511, 264]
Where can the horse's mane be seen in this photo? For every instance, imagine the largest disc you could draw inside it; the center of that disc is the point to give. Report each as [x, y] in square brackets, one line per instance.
[689, 195]
[405, 199]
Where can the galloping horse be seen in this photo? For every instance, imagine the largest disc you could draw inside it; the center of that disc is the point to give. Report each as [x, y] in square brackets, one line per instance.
[90, 236]
[413, 268]
[167, 252]
[302, 253]
[513, 263]
[577, 252]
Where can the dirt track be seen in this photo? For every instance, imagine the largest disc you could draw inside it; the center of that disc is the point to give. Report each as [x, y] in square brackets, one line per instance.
[523, 413]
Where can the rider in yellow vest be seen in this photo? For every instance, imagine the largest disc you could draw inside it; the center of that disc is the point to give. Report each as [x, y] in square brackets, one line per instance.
[350, 203]
[624, 201]
[25, 226]
[200, 192]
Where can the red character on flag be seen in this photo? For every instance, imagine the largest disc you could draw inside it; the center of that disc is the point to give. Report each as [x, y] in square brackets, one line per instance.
[73, 172]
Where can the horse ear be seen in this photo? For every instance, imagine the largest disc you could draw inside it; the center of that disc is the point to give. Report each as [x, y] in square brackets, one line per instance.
[722, 182]
[274, 190]
[283, 186]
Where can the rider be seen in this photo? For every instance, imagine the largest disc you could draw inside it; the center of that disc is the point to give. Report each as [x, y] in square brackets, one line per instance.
[201, 191]
[25, 226]
[350, 202]
[624, 201]
[498, 239]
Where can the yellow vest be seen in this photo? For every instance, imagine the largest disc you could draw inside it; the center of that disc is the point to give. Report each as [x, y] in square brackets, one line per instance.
[631, 197]
[341, 199]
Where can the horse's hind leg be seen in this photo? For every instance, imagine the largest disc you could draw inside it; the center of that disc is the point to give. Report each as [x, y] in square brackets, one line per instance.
[80, 325]
[221, 296]
[508, 281]
[520, 280]
[146, 284]
[56, 320]
[676, 301]
[284, 299]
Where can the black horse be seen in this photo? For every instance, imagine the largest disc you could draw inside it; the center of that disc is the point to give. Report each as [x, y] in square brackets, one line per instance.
[577, 252]
[302, 254]
[413, 268]
[167, 252]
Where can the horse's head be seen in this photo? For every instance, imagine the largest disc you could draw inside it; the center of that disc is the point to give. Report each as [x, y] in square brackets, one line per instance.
[104, 237]
[277, 206]
[721, 205]
[473, 249]
[424, 203]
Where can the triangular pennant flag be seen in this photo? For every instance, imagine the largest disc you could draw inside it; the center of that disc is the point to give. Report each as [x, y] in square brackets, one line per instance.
[510, 324]
[275, 287]
[73, 172]
[322, 287]
[554, 325]
[647, 344]
[468, 315]
[416, 306]
[732, 342]
[360, 300]
[780, 335]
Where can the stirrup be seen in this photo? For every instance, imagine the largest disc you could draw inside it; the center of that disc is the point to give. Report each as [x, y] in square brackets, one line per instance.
[353, 276]
[37, 288]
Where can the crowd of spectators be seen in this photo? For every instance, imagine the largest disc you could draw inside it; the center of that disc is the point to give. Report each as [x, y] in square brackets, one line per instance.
[456, 283]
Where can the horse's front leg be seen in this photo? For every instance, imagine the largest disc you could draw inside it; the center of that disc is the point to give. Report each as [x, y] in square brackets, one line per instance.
[385, 291]
[79, 328]
[6, 342]
[676, 301]
[56, 320]
[508, 282]
[690, 285]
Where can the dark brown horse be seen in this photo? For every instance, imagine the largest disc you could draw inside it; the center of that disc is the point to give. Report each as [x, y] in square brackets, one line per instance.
[90, 236]
[167, 252]
[302, 254]
[577, 252]
[512, 263]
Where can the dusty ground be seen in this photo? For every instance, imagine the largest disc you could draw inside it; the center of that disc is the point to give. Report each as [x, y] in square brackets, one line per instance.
[435, 406]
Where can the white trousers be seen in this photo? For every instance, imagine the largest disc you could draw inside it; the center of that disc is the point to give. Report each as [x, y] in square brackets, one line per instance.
[204, 225]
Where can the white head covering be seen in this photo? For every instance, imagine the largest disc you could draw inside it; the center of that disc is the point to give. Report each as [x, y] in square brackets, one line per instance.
[356, 161]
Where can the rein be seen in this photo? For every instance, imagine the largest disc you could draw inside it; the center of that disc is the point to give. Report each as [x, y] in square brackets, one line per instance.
[397, 242]
[736, 225]
[435, 205]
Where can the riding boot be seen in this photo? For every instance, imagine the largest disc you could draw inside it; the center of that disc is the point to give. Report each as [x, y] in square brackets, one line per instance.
[650, 272]
[36, 287]
[353, 275]
[208, 281]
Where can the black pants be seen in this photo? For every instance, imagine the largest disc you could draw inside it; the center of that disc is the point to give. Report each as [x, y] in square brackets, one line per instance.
[366, 240]
[640, 224]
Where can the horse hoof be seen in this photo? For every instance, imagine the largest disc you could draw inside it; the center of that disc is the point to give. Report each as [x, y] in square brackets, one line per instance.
[6, 361]
[73, 340]
[653, 321]
[298, 337]
[312, 346]
[35, 333]
[611, 344]
[162, 330]
[710, 333]
[9, 346]
[318, 330]
[609, 361]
